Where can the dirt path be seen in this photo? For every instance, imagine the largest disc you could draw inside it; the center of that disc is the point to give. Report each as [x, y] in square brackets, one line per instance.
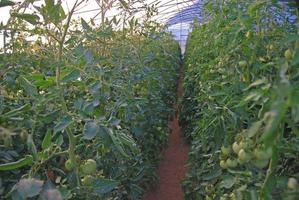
[172, 168]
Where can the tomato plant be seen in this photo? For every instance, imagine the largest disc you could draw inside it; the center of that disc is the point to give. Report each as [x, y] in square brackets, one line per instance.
[240, 108]
[84, 108]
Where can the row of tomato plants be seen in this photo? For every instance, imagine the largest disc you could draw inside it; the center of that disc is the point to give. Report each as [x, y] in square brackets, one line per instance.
[241, 104]
[84, 109]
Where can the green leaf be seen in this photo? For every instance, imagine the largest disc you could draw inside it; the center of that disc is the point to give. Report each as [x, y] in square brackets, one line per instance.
[53, 13]
[63, 123]
[124, 4]
[47, 140]
[103, 186]
[28, 188]
[50, 117]
[15, 112]
[50, 194]
[296, 58]
[85, 25]
[227, 182]
[59, 140]
[18, 164]
[31, 18]
[90, 130]
[72, 76]
[254, 128]
[290, 38]
[213, 174]
[1, 104]
[117, 143]
[272, 120]
[4, 3]
[256, 83]
[29, 88]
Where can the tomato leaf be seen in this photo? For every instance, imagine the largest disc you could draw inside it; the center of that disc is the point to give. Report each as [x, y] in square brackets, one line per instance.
[31, 18]
[4, 3]
[47, 140]
[103, 186]
[63, 124]
[18, 164]
[90, 130]
[16, 111]
[29, 88]
[28, 188]
[72, 76]
[85, 25]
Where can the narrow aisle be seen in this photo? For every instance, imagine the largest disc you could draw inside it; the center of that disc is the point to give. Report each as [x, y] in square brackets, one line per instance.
[172, 168]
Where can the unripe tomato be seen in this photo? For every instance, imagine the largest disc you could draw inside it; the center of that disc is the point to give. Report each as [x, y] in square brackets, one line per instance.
[292, 183]
[242, 145]
[69, 165]
[236, 147]
[7, 139]
[223, 164]
[87, 180]
[243, 156]
[249, 34]
[260, 163]
[249, 142]
[243, 63]
[24, 135]
[231, 163]
[288, 54]
[270, 47]
[263, 154]
[232, 196]
[78, 159]
[89, 167]
[225, 150]
[268, 153]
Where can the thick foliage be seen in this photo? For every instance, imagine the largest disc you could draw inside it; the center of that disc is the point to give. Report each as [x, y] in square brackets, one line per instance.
[85, 118]
[240, 108]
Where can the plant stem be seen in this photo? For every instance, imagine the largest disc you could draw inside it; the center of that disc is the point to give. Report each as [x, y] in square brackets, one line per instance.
[71, 137]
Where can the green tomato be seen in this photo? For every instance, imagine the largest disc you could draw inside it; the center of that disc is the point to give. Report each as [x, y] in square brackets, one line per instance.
[268, 153]
[263, 154]
[242, 145]
[225, 150]
[69, 166]
[243, 63]
[231, 163]
[89, 167]
[223, 164]
[232, 196]
[78, 159]
[288, 54]
[292, 183]
[87, 180]
[260, 163]
[7, 139]
[236, 147]
[270, 47]
[243, 156]
[249, 34]
[258, 154]
[24, 135]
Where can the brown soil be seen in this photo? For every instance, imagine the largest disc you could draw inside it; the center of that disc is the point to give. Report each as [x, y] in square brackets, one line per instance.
[172, 168]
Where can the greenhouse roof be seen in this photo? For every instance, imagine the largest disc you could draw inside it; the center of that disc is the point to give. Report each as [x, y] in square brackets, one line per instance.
[177, 14]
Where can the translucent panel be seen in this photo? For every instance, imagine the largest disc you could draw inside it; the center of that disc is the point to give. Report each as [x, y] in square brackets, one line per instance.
[177, 14]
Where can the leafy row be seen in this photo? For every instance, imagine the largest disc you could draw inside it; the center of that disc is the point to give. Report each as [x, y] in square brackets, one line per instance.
[84, 109]
[240, 108]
